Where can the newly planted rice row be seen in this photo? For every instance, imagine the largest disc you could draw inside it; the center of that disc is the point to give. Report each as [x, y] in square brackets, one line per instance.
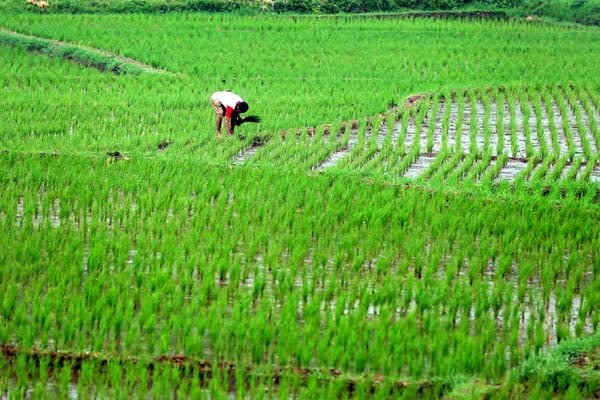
[518, 135]
[284, 276]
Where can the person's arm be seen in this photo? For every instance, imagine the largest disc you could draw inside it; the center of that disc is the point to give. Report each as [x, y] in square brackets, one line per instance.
[230, 120]
[218, 124]
[230, 125]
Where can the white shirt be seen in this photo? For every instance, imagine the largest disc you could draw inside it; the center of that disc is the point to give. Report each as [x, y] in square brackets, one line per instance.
[228, 99]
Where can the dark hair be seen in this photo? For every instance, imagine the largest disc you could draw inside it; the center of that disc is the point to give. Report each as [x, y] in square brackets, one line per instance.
[243, 106]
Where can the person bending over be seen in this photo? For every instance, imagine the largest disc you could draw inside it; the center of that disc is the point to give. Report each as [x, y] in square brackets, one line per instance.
[228, 105]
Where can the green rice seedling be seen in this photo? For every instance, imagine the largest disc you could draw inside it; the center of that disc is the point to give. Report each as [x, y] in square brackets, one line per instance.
[487, 129]
[362, 132]
[492, 173]
[537, 107]
[566, 127]
[547, 100]
[511, 101]
[531, 164]
[588, 105]
[459, 121]
[473, 122]
[448, 98]
[261, 262]
[585, 175]
[526, 112]
[479, 168]
[575, 166]
[542, 169]
[500, 100]
[582, 130]
[449, 165]
[435, 105]
[558, 170]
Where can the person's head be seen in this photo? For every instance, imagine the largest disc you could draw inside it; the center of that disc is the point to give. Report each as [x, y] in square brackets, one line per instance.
[242, 106]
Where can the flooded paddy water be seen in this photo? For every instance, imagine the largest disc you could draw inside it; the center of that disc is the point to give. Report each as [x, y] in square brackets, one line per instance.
[535, 128]
[537, 308]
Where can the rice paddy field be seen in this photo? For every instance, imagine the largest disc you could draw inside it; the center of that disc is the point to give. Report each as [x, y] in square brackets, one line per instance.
[417, 214]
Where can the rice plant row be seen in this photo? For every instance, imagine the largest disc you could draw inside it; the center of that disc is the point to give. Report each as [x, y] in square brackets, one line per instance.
[294, 73]
[551, 131]
[271, 274]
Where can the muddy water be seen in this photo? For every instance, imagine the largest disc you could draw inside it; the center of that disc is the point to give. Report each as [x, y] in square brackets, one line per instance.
[557, 119]
[51, 390]
[522, 118]
[465, 134]
[493, 124]
[545, 123]
[521, 141]
[452, 125]
[506, 128]
[534, 135]
[438, 128]
[595, 175]
[336, 156]
[479, 118]
[525, 131]
[585, 120]
[381, 134]
[419, 166]
[396, 130]
[421, 136]
[411, 133]
[576, 130]
[511, 170]
[244, 154]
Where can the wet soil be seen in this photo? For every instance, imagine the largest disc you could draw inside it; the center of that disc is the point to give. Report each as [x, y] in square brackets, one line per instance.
[257, 142]
[164, 145]
[204, 370]
[114, 156]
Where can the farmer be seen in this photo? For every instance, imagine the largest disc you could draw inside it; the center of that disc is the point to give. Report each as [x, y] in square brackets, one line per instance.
[230, 105]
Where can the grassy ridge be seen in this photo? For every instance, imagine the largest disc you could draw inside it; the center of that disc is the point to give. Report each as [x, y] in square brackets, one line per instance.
[86, 57]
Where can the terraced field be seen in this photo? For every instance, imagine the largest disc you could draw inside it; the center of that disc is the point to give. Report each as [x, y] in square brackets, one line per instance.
[415, 216]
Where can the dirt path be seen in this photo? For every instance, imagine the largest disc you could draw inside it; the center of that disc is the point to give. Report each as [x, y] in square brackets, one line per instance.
[52, 48]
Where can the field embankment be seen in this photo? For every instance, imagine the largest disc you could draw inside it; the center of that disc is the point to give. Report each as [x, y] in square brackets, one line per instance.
[96, 58]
